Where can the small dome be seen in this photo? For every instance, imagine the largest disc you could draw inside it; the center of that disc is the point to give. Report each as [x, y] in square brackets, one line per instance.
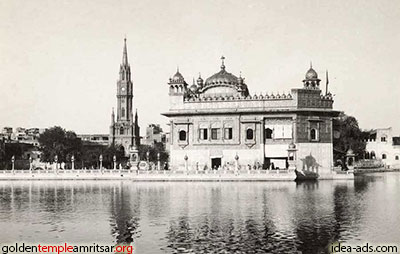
[193, 88]
[350, 152]
[292, 146]
[177, 77]
[200, 81]
[240, 80]
[311, 74]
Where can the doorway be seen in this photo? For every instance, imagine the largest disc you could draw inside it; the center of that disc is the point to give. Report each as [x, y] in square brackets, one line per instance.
[215, 163]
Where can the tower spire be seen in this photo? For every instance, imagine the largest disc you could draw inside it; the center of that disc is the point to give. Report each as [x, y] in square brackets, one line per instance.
[125, 54]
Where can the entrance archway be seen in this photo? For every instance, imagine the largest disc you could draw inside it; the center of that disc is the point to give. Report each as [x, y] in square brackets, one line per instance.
[215, 163]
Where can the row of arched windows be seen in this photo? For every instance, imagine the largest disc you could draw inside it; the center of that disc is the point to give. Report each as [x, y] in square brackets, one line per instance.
[215, 134]
[229, 133]
[371, 155]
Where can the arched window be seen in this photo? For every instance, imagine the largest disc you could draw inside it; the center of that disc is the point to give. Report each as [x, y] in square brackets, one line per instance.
[123, 112]
[383, 139]
[250, 134]
[396, 157]
[182, 135]
[373, 156]
[268, 133]
[313, 134]
[383, 156]
[121, 131]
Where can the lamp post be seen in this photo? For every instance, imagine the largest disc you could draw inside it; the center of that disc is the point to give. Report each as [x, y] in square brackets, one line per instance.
[12, 164]
[72, 162]
[101, 162]
[237, 162]
[186, 162]
[148, 156]
[158, 162]
[30, 164]
[115, 162]
[55, 161]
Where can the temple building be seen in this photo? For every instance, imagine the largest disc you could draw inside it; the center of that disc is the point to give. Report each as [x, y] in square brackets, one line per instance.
[124, 129]
[383, 145]
[218, 123]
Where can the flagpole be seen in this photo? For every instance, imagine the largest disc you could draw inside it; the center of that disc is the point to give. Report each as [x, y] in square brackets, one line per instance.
[327, 82]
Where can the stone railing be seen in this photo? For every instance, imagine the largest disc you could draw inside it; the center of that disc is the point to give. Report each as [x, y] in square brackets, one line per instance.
[144, 172]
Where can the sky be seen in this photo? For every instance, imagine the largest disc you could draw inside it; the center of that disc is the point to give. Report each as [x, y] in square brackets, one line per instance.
[59, 60]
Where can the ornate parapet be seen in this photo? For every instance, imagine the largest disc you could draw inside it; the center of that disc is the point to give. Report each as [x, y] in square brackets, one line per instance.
[255, 97]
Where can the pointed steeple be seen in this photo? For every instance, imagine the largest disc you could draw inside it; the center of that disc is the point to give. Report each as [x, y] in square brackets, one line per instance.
[125, 54]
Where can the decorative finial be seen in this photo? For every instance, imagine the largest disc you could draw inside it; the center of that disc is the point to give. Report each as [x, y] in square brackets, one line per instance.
[223, 62]
[177, 68]
[310, 64]
[199, 74]
[194, 83]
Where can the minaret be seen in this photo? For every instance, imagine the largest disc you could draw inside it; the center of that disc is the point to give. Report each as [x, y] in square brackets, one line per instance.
[311, 80]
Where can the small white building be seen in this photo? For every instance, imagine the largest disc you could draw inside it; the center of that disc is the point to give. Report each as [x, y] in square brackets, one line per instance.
[382, 145]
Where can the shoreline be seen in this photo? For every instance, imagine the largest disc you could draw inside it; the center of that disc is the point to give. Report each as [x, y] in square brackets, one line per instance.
[162, 176]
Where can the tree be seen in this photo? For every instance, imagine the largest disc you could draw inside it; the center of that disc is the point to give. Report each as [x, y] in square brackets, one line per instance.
[91, 153]
[347, 135]
[57, 141]
[153, 150]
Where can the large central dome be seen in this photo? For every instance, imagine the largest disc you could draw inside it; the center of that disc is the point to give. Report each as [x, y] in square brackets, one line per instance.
[224, 83]
[222, 77]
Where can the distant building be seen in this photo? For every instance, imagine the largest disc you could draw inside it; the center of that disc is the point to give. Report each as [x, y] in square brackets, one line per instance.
[154, 134]
[100, 139]
[21, 135]
[7, 130]
[216, 122]
[124, 130]
[381, 144]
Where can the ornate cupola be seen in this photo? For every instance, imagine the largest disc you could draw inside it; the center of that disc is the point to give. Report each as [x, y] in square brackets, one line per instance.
[193, 87]
[200, 81]
[177, 84]
[311, 80]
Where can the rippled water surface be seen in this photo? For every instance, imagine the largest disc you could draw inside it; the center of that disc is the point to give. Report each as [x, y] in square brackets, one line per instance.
[203, 217]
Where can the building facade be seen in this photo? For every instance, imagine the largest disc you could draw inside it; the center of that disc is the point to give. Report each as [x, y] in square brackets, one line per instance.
[100, 139]
[124, 128]
[217, 123]
[154, 134]
[383, 145]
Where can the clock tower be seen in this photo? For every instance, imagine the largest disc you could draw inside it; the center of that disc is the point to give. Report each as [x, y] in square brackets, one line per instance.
[124, 129]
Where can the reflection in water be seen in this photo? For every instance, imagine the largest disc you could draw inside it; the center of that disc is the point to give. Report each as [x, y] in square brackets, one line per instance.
[124, 225]
[232, 217]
